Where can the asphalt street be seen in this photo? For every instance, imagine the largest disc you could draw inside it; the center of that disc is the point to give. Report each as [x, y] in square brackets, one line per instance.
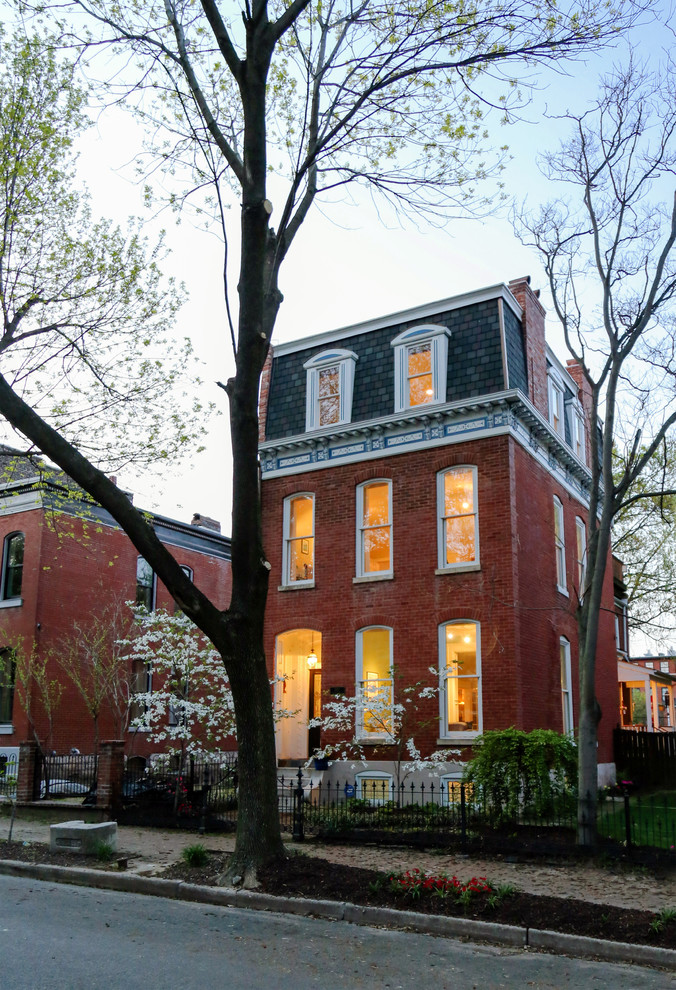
[58, 937]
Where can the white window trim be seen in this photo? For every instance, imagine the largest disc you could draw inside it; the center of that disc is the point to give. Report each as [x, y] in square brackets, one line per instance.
[450, 778]
[443, 567]
[286, 539]
[15, 599]
[361, 736]
[346, 362]
[153, 589]
[426, 333]
[362, 574]
[576, 423]
[555, 387]
[560, 548]
[444, 735]
[581, 543]
[567, 709]
[374, 775]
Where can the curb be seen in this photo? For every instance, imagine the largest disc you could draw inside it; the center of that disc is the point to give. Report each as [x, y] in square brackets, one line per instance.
[577, 946]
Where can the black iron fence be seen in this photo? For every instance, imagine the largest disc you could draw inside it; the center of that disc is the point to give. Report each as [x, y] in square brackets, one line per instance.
[456, 812]
[191, 792]
[70, 776]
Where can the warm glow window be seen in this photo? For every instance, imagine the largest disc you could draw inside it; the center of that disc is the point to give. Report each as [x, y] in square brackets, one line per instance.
[299, 540]
[559, 546]
[374, 684]
[458, 534]
[460, 671]
[420, 367]
[374, 529]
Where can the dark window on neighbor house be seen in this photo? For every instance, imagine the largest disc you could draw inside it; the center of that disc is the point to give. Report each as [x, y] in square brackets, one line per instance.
[7, 675]
[145, 584]
[12, 566]
[188, 571]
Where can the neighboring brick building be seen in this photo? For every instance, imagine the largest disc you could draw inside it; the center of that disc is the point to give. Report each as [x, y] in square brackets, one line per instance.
[66, 560]
[425, 495]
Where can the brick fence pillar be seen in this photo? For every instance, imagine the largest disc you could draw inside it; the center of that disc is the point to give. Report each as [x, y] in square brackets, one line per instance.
[109, 775]
[27, 784]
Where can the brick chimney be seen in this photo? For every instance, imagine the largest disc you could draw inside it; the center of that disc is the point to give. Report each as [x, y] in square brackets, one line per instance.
[533, 329]
[205, 522]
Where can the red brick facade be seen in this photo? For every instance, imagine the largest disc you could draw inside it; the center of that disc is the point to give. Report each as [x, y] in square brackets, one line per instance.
[73, 568]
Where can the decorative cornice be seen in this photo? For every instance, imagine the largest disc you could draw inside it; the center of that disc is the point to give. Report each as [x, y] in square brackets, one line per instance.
[508, 412]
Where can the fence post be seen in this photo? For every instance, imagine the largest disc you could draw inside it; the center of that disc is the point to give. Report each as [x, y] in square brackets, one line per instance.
[28, 777]
[627, 819]
[110, 772]
[298, 833]
[463, 816]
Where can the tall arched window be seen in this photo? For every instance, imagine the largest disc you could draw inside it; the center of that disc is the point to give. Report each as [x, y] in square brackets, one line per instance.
[460, 678]
[374, 684]
[298, 565]
[374, 528]
[12, 566]
[458, 518]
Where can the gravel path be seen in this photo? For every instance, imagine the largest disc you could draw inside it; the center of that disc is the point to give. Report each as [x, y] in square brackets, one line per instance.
[150, 850]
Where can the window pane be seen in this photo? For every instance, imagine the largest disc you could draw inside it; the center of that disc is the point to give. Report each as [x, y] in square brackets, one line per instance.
[329, 395]
[419, 373]
[376, 685]
[14, 565]
[301, 559]
[377, 549]
[300, 517]
[458, 492]
[7, 673]
[461, 648]
[460, 540]
[376, 505]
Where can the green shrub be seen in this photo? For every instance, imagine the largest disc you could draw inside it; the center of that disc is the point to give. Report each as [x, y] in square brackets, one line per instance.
[104, 851]
[195, 855]
[513, 771]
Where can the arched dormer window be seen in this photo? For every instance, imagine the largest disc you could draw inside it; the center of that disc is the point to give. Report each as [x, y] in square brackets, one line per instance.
[420, 360]
[330, 384]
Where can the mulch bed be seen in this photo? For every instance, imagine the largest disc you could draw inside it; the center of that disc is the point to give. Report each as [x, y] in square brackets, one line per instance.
[309, 876]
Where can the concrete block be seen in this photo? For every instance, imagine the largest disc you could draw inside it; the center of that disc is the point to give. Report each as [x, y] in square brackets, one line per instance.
[82, 837]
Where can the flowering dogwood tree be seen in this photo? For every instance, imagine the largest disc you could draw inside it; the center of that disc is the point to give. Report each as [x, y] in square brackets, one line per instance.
[186, 701]
[374, 719]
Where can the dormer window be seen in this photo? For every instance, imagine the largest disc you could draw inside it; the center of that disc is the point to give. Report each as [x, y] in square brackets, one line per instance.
[420, 361]
[576, 421]
[555, 391]
[330, 383]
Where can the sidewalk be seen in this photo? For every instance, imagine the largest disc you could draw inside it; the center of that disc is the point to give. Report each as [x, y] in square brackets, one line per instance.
[151, 850]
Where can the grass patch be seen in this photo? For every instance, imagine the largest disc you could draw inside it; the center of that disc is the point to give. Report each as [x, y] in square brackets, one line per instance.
[195, 855]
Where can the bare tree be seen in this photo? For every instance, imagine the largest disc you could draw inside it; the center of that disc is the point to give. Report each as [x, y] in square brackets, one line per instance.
[289, 102]
[94, 657]
[607, 245]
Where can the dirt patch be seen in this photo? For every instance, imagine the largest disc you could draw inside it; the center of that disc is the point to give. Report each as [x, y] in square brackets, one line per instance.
[312, 876]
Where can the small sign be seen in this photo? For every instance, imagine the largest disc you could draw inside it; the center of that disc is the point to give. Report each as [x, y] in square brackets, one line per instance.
[349, 790]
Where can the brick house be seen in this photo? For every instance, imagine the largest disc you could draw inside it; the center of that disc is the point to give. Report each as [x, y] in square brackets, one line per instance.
[65, 559]
[425, 496]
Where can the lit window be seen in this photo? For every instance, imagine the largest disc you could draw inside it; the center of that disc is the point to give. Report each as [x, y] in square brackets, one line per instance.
[374, 528]
[299, 540]
[7, 676]
[581, 549]
[330, 384]
[420, 362]
[460, 672]
[559, 547]
[566, 687]
[374, 684]
[555, 389]
[12, 566]
[374, 786]
[145, 584]
[458, 519]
